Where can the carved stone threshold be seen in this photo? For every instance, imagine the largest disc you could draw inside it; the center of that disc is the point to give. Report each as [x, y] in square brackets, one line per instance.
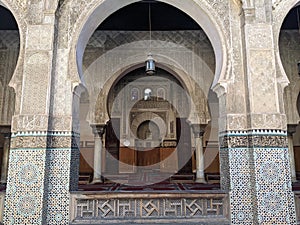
[207, 207]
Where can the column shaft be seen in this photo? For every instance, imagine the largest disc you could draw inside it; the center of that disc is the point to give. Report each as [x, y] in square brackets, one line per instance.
[97, 159]
[200, 178]
[98, 132]
[198, 131]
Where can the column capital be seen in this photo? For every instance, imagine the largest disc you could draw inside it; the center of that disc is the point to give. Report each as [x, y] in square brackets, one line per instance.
[198, 129]
[291, 129]
[98, 129]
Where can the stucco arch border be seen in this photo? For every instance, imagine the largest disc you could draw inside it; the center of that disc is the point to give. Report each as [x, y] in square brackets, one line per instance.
[280, 12]
[198, 10]
[16, 12]
[185, 80]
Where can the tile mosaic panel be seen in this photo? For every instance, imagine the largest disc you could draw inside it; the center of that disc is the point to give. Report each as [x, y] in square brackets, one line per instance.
[43, 168]
[257, 174]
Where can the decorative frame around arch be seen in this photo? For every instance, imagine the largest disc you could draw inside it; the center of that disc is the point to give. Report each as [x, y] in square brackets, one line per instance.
[17, 9]
[101, 104]
[209, 16]
[280, 11]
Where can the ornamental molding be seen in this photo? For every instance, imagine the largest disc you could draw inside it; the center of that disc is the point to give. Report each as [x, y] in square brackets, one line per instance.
[43, 141]
[254, 139]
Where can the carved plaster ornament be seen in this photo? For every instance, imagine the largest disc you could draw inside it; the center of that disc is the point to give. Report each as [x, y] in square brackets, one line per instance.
[275, 3]
[50, 4]
[248, 3]
[1, 4]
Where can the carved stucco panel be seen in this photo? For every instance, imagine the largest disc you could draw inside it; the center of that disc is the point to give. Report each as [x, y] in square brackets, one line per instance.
[60, 123]
[236, 122]
[36, 82]
[35, 12]
[39, 37]
[220, 8]
[259, 36]
[29, 123]
[268, 121]
[61, 93]
[248, 3]
[69, 13]
[20, 4]
[276, 3]
[262, 81]
[72, 11]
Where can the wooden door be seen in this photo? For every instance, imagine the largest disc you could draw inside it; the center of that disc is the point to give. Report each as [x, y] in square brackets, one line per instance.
[168, 160]
[148, 157]
[127, 163]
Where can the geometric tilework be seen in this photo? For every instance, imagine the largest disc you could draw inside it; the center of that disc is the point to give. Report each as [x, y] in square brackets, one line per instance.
[40, 179]
[257, 173]
[25, 187]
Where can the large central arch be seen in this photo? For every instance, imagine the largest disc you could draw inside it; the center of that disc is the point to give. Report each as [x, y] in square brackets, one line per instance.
[197, 10]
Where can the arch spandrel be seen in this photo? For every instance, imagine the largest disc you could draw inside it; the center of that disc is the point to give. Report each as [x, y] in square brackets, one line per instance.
[280, 11]
[211, 16]
[17, 9]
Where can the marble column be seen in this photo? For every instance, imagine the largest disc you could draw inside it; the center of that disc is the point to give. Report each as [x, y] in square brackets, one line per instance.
[198, 131]
[291, 130]
[98, 131]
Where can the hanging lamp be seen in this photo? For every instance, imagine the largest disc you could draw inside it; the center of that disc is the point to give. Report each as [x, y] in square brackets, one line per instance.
[150, 62]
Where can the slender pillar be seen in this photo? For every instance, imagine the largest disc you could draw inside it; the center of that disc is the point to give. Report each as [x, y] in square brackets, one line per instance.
[4, 166]
[198, 131]
[98, 132]
[291, 130]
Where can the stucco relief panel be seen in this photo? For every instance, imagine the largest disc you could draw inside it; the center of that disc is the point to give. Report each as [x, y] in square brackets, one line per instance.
[248, 3]
[30, 123]
[61, 93]
[220, 8]
[276, 3]
[259, 36]
[236, 122]
[36, 81]
[61, 123]
[72, 11]
[21, 4]
[39, 37]
[262, 78]
[268, 121]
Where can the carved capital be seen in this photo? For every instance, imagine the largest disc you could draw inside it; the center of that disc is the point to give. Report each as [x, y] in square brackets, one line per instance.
[198, 129]
[99, 129]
